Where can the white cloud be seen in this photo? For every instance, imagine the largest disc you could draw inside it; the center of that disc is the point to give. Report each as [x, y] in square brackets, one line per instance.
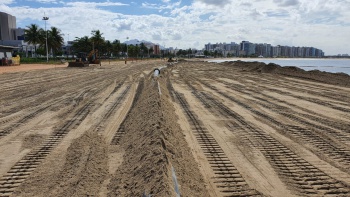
[150, 5]
[6, 2]
[157, 36]
[5, 8]
[123, 25]
[286, 2]
[215, 2]
[94, 4]
[166, 6]
[176, 36]
[47, 1]
[255, 14]
[322, 24]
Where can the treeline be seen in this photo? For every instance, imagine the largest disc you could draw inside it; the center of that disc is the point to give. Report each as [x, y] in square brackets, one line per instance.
[36, 36]
[186, 52]
[107, 48]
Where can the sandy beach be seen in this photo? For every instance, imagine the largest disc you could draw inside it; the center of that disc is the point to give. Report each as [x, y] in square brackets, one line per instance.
[29, 67]
[222, 129]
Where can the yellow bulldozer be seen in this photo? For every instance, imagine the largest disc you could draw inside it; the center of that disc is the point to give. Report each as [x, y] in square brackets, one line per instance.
[84, 59]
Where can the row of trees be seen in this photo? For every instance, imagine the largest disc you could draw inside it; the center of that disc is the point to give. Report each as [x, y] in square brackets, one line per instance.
[108, 48]
[37, 36]
[185, 53]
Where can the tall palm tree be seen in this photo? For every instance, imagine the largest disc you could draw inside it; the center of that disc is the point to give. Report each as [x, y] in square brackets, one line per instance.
[109, 48]
[34, 35]
[97, 38]
[143, 48]
[116, 47]
[55, 40]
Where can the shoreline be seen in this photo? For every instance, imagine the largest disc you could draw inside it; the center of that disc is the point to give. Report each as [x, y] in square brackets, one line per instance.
[307, 64]
[272, 58]
[341, 79]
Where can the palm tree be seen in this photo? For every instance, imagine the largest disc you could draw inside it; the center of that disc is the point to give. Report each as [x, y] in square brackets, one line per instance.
[124, 48]
[151, 50]
[55, 40]
[133, 50]
[117, 47]
[34, 35]
[109, 48]
[143, 48]
[97, 38]
[82, 44]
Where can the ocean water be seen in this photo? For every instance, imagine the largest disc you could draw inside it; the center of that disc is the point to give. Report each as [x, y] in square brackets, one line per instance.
[328, 65]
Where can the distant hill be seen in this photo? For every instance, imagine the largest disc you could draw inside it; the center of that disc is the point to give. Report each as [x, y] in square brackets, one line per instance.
[136, 41]
[147, 43]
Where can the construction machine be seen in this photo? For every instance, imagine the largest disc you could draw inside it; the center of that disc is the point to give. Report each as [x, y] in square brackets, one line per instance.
[83, 59]
[93, 57]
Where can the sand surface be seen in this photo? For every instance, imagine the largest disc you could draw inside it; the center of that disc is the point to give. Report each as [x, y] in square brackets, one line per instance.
[199, 129]
[29, 67]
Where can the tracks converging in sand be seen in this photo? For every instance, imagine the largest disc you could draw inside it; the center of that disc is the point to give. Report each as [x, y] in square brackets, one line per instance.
[229, 129]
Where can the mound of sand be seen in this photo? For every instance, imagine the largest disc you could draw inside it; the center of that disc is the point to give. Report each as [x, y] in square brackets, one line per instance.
[154, 142]
[316, 75]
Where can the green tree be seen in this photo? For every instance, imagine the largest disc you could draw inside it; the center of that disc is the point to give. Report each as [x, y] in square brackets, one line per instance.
[97, 38]
[144, 49]
[124, 48]
[116, 47]
[109, 47]
[41, 50]
[189, 52]
[34, 35]
[55, 40]
[133, 50]
[82, 44]
[102, 48]
[151, 50]
[181, 53]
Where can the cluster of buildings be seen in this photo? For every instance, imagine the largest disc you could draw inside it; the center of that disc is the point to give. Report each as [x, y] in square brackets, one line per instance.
[11, 37]
[248, 49]
[8, 29]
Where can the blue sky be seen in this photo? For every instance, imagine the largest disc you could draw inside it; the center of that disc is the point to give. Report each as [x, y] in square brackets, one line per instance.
[193, 23]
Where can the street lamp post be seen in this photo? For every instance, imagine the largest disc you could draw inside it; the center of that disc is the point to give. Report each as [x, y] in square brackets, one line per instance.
[45, 18]
[127, 52]
[68, 48]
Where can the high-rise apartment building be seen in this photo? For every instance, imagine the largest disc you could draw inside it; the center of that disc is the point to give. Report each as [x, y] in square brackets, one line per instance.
[246, 48]
[156, 49]
[7, 26]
